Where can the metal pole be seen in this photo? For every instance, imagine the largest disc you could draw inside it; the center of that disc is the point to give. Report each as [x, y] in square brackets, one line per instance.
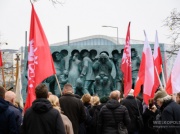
[68, 34]
[117, 36]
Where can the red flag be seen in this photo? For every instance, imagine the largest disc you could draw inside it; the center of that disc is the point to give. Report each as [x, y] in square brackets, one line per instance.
[1, 62]
[126, 64]
[173, 85]
[40, 63]
[146, 73]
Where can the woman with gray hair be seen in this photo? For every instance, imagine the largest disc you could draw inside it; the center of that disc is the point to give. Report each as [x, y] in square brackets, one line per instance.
[169, 121]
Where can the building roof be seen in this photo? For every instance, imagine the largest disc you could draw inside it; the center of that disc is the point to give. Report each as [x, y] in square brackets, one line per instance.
[99, 40]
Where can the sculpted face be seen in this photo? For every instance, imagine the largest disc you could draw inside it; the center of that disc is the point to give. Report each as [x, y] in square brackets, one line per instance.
[103, 57]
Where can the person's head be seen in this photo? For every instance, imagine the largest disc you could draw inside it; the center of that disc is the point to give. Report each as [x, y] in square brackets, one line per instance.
[10, 96]
[95, 100]
[56, 56]
[178, 98]
[103, 57]
[2, 92]
[98, 78]
[133, 52]
[79, 83]
[104, 99]
[85, 53]
[41, 91]
[161, 96]
[68, 89]
[115, 95]
[54, 101]
[86, 98]
[131, 92]
[105, 79]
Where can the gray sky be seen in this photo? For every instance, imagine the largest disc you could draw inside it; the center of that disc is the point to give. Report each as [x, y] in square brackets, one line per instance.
[85, 18]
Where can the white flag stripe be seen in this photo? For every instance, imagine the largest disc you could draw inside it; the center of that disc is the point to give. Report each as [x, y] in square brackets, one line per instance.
[149, 68]
[175, 75]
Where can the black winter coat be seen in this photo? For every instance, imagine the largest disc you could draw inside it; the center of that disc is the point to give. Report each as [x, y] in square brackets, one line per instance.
[170, 118]
[73, 108]
[18, 115]
[148, 118]
[7, 119]
[42, 118]
[106, 122]
[130, 103]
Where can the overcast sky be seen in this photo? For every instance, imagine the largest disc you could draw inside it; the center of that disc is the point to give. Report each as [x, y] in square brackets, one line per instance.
[85, 18]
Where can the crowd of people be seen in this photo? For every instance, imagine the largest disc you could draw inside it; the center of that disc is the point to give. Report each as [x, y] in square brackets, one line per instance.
[73, 114]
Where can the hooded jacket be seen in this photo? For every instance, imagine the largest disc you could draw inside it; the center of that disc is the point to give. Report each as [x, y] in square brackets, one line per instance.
[7, 119]
[42, 118]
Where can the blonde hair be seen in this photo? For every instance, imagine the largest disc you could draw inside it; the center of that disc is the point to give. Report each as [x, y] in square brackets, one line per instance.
[54, 102]
[86, 98]
[95, 100]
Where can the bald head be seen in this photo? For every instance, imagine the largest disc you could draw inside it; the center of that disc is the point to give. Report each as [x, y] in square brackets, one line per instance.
[115, 95]
[10, 96]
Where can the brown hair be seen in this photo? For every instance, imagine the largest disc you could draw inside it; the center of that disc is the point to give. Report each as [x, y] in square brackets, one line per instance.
[178, 94]
[67, 88]
[2, 92]
[41, 91]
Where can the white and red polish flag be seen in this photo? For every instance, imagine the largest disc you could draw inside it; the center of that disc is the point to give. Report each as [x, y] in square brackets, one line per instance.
[126, 64]
[40, 63]
[173, 84]
[157, 63]
[157, 55]
[146, 73]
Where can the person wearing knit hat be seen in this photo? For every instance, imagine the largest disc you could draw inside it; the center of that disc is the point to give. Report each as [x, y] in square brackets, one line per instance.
[169, 113]
[161, 96]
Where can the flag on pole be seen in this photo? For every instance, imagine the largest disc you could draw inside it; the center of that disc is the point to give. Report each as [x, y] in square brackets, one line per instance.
[40, 63]
[173, 84]
[1, 62]
[157, 63]
[146, 73]
[157, 55]
[126, 64]
[19, 98]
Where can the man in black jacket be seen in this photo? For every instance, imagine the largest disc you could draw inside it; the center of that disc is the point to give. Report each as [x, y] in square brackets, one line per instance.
[132, 105]
[7, 116]
[169, 121]
[111, 114]
[42, 118]
[72, 107]
[10, 97]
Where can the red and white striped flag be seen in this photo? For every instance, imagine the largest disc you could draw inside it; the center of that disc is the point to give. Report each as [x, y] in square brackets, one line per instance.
[157, 64]
[146, 73]
[173, 84]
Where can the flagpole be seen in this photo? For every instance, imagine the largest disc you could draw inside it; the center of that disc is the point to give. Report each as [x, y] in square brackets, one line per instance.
[4, 83]
[17, 67]
[163, 77]
[158, 77]
[58, 84]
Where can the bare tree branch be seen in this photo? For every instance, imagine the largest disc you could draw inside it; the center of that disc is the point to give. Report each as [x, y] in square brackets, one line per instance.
[173, 24]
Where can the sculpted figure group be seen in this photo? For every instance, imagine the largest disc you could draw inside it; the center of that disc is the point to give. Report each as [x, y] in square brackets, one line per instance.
[89, 72]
